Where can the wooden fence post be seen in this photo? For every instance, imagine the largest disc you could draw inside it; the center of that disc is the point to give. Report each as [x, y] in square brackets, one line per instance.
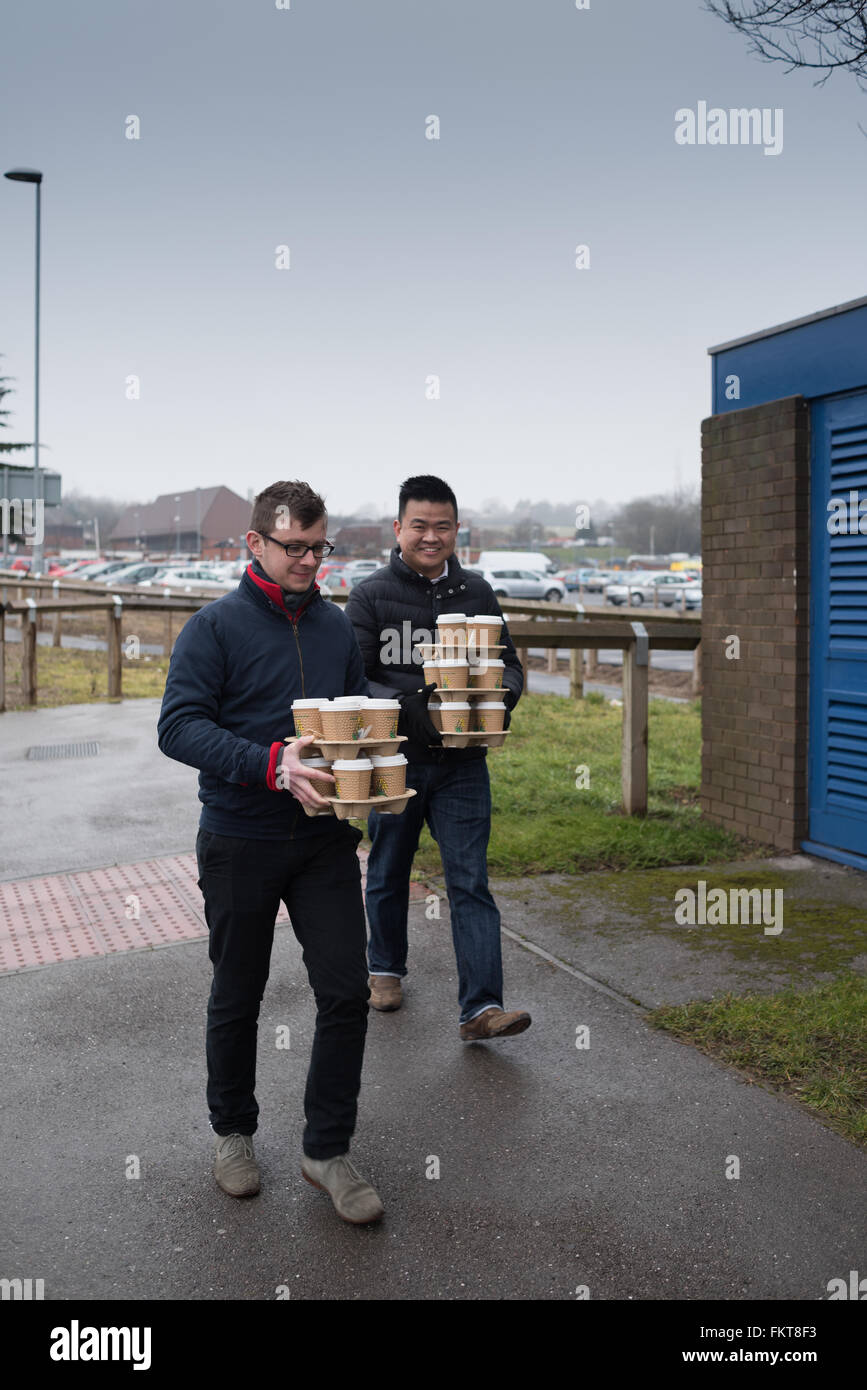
[115, 665]
[28, 654]
[633, 764]
[55, 621]
[2, 657]
[696, 670]
[592, 656]
[576, 673]
[552, 660]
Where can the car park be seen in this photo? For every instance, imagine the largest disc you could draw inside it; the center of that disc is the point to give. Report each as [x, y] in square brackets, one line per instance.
[518, 583]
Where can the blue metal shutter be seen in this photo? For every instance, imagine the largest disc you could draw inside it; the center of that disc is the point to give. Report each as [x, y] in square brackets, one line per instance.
[838, 638]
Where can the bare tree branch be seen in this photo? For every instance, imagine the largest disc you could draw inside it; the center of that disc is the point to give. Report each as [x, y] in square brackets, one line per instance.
[822, 35]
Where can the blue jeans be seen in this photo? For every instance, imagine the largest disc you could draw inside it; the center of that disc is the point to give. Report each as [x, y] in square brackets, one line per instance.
[455, 800]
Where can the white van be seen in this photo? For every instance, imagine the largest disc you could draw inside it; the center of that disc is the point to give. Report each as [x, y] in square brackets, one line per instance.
[516, 560]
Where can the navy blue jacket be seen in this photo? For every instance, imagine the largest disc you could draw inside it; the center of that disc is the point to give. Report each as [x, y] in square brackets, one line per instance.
[236, 667]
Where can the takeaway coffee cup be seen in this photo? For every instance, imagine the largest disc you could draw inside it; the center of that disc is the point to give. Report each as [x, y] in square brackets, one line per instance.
[483, 631]
[453, 672]
[452, 632]
[379, 718]
[352, 776]
[489, 716]
[487, 674]
[307, 718]
[321, 788]
[341, 718]
[431, 671]
[435, 711]
[389, 775]
[455, 717]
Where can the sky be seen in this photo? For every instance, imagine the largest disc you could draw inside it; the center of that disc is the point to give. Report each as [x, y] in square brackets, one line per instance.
[409, 258]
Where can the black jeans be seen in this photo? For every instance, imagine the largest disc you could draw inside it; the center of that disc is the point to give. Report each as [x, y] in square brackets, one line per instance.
[243, 882]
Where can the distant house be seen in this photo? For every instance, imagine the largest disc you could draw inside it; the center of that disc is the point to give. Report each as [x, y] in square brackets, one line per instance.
[210, 522]
[362, 542]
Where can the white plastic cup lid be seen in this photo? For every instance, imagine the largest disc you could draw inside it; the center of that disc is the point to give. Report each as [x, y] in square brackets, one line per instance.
[316, 762]
[490, 704]
[445, 618]
[455, 704]
[488, 661]
[398, 760]
[309, 704]
[347, 764]
[383, 704]
[349, 701]
[485, 618]
[452, 661]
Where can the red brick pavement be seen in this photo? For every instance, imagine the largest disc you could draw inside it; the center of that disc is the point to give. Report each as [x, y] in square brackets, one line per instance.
[95, 912]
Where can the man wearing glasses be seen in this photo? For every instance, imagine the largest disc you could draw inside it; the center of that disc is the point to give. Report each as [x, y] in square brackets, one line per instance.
[236, 667]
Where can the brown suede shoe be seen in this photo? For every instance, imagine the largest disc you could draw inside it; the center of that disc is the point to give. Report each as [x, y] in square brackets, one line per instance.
[353, 1197]
[235, 1166]
[495, 1023]
[385, 993]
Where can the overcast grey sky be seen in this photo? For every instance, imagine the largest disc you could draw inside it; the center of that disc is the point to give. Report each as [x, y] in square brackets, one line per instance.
[409, 257]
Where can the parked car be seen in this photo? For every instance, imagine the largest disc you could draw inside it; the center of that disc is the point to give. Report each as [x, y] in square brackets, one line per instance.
[130, 574]
[691, 596]
[575, 579]
[621, 589]
[658, 588]
[359, 569]
[515, 583]
[597, 580]
[189, 577]
[105, 568]
[336, 578]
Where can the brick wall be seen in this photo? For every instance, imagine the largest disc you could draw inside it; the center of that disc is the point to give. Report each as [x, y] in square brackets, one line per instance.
[755, 579]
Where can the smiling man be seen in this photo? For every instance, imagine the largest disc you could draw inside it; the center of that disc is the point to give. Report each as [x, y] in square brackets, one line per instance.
[422, 582]
[236, 668]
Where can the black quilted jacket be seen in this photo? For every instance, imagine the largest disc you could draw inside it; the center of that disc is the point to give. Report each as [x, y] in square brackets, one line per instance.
[394, 607]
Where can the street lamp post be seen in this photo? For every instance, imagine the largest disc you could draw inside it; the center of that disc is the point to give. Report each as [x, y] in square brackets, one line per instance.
[34, 176]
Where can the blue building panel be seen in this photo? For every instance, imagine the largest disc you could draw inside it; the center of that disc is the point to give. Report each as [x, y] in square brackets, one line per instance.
[821, 355]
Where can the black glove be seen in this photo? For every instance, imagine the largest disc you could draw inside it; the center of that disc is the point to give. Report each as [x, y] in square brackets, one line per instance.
[510, 700]
[414, 720]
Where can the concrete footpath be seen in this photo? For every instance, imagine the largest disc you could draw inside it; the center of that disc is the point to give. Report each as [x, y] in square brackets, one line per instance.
[523, 1169]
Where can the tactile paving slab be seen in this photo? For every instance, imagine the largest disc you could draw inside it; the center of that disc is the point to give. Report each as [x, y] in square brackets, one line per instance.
[95, 912]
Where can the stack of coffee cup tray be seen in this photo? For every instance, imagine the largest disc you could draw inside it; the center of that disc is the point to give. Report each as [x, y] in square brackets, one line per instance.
[356, 740]
[466, 665]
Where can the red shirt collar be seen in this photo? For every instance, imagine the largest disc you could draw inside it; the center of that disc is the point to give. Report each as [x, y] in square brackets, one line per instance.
[275, 593]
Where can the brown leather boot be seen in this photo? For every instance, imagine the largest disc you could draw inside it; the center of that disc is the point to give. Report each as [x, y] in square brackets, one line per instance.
[385, 993]
[495, 1023]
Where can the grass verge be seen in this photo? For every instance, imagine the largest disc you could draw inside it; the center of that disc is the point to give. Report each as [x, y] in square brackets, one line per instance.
[810, 1045]
[65, 676]
[544, 822]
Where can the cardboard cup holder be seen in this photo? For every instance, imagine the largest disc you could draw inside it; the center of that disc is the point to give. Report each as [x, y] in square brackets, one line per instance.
[385, 805]
[482, 740]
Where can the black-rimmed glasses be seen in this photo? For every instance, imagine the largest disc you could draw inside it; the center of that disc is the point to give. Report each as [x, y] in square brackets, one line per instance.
[296, 550]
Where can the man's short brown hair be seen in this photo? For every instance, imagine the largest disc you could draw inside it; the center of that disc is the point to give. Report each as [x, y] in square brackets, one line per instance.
[282, 503]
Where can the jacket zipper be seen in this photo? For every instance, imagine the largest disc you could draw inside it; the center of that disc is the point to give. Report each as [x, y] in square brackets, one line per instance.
[294, 622]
